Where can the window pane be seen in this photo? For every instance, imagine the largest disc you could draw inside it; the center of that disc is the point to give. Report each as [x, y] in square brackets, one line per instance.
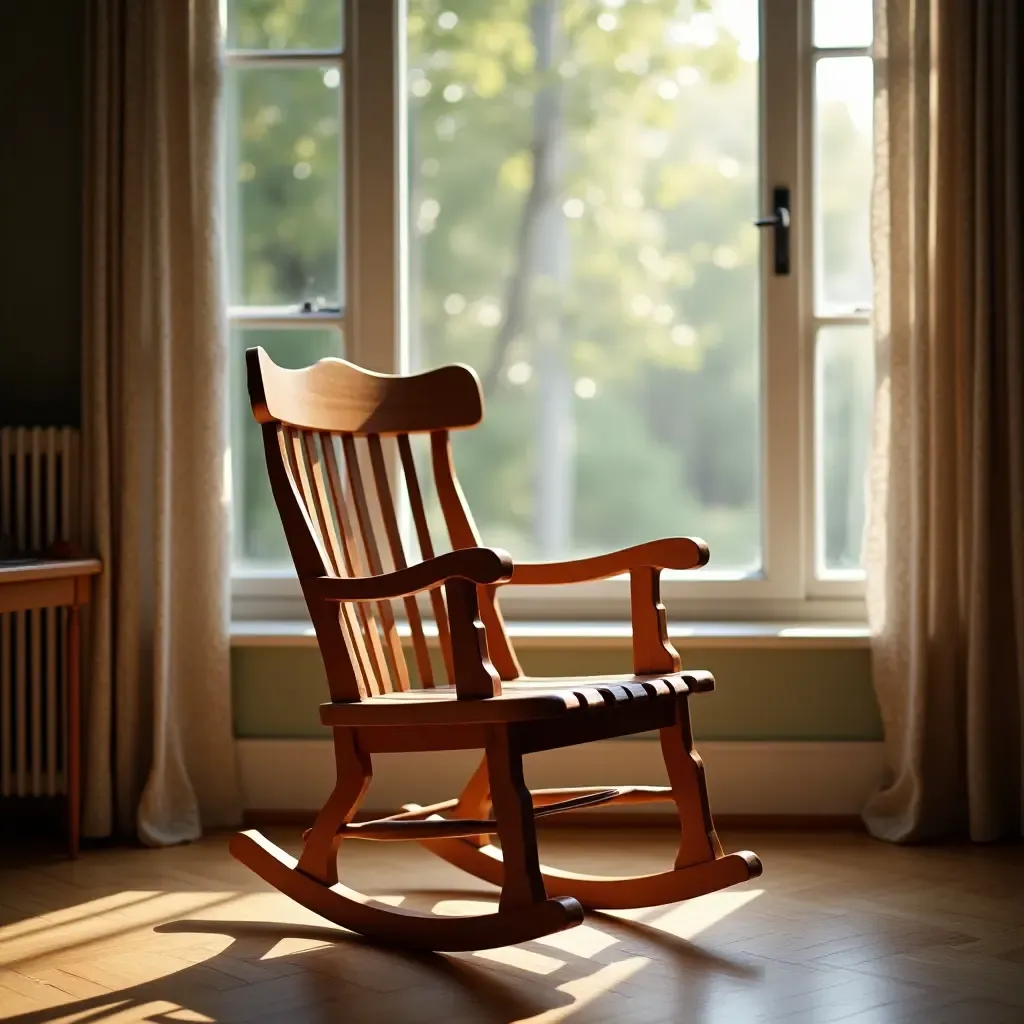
[844, 386]
[843, 22]
[580, 223]
[258, 537]
[284, 185]
[843, 152]
[284, 24]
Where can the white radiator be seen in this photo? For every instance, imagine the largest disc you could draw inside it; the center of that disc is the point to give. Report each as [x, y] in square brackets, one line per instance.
[38, 506]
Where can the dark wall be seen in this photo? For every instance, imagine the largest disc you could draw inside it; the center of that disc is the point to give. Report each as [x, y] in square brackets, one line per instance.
[40, 212]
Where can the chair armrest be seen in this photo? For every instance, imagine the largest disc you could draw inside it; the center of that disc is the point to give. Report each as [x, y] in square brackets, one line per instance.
[668, 553]
[652, 651]
[477, 565]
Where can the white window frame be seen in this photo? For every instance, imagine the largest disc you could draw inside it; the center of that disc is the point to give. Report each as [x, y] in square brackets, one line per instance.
[372, 66]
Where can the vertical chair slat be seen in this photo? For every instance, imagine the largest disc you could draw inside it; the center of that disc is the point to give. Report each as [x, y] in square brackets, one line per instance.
[378, 678]
[355, 480]
[463, 534]
[292, 453]
[394, 537]
[310, 559]
[326, 521]
[419, 516]
[294, 450]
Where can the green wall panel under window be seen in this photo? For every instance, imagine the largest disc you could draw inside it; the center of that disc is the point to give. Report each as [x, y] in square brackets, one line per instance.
[762, 694]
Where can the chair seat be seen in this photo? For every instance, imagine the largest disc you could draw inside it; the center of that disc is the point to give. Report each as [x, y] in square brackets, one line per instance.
[525, 699]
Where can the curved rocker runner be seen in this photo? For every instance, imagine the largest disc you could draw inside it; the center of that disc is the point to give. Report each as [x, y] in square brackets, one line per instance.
[321, 427]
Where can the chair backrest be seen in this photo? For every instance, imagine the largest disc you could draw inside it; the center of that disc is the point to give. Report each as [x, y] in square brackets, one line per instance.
[339, 450]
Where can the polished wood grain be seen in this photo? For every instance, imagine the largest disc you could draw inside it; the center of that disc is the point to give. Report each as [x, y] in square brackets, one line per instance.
[463, 533]
[46, 584]
[698, 840]
[337, 396]
[426, 544]
[368, 642]
[528, 699]
[652, 649]
[386, 503]
[667, 553]
[478, 565]
[399, 671]
[353, 773]
[396, 925]
[848, 930]
[522, 882]
[606, 892]
[58, 583]
[476, 677]
[323, 426]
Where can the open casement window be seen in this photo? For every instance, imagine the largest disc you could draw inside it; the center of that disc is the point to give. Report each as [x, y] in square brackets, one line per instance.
[563, 194]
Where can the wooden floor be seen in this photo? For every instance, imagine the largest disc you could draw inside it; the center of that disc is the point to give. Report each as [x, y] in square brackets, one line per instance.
[839, 928]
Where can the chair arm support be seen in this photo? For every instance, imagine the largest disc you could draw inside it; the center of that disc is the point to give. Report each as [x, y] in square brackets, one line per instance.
[668, 553]
[460, 572]
[652, 651]
[477, 565]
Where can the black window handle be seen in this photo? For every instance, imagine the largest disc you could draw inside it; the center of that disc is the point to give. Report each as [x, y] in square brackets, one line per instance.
[779, 220]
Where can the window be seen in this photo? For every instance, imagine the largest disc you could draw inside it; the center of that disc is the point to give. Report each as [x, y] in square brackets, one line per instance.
[563, 195]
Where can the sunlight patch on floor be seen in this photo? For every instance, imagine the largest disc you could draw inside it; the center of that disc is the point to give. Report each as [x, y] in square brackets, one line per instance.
[523, 959]
[70, 915]
[689, 919]
[130, 919]
[583, 941]
[586, 990]
[290, 946]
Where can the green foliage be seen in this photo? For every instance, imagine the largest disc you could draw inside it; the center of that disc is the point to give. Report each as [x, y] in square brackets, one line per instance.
[646, 275]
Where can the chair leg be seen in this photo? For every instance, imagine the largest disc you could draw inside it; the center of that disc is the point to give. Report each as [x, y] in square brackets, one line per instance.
[319, 857]
[701, 867]
[699, 841]
[522, 883]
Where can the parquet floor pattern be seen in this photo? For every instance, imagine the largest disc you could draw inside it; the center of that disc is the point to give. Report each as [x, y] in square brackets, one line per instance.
[839, 928]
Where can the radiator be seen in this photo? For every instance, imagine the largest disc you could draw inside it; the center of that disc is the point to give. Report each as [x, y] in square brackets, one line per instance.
[38, 506]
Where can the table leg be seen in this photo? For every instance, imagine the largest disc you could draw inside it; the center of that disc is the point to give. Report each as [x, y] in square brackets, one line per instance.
[74, 732]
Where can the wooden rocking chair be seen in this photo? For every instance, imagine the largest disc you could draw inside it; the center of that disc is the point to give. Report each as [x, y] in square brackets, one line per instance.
[326, 429]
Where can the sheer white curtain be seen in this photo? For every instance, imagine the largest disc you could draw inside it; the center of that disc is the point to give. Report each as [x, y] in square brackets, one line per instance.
[159, 759]
[945, 550]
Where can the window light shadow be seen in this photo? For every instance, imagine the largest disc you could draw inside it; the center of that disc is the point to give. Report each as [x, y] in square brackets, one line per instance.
[682, 952]
[179, 968]
[342, 975]
[589, 989]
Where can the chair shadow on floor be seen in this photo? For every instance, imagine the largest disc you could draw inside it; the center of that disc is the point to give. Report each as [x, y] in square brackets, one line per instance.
[344, 977]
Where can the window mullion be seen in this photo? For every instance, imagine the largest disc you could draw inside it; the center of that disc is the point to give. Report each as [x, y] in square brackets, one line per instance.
[372, 209]
[785, 327]
[832, 584]
[842, 51]
[842, 320]
[283, 58]
[286, 321]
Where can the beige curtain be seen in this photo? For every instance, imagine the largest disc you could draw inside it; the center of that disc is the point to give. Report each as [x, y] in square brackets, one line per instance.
[945, 547]
[159, 759]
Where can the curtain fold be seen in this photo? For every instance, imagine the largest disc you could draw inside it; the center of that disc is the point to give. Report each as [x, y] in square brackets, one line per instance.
[158, 752]
[945, 541]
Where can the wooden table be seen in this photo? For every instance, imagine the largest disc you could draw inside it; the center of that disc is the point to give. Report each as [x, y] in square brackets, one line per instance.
[58, 584]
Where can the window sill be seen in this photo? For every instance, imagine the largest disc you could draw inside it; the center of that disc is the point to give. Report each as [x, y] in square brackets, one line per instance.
[602, 635]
